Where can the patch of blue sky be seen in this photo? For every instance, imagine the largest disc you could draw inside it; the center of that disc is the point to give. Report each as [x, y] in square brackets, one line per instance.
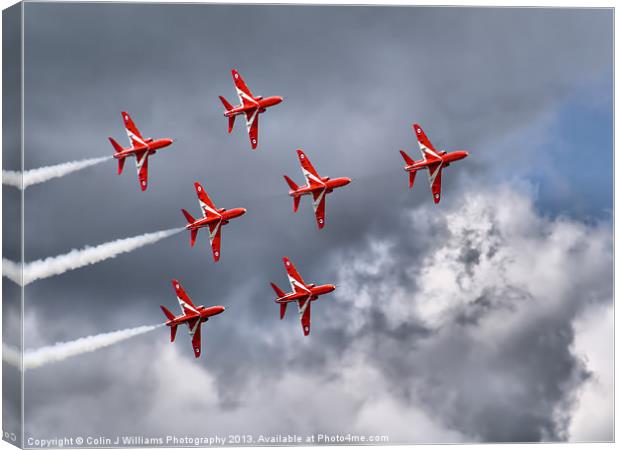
[565, 154]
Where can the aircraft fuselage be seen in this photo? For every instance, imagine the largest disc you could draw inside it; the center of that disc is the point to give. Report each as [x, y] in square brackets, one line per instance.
[151, 146]
[203, 312]
[225, 216]
[328, 183]
[313, 293]
[261, 103]
[446, 159]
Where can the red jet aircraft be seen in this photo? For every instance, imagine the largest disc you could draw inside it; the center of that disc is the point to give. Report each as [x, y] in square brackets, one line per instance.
[192, 315]
[211, 217]
[250, 105]
[433, 160]
[302, 293]
[140, 148]
[317, 186]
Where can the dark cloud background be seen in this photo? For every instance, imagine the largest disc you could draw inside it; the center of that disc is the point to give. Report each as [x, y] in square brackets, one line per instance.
[493, 81]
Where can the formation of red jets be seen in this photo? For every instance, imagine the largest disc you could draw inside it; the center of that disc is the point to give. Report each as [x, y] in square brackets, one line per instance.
[317, 187]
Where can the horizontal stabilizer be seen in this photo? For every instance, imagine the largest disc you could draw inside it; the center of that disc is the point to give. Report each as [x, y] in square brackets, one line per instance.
[173, 332]
[121, 164]
[227, 105]
[407, 158]
[192, 237]
[116, 145]
[291, 183]
[282, 310]
[412, 178]
[168, 314]
[188, 216]
[277, 290]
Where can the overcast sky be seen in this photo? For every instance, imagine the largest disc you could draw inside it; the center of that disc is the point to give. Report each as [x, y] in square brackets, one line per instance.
[478, 319]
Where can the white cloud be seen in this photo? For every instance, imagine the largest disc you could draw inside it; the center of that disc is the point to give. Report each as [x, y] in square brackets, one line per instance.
[497, 288]
[592, 419]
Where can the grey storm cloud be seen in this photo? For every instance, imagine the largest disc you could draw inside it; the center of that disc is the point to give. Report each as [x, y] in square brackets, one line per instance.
[353, 79]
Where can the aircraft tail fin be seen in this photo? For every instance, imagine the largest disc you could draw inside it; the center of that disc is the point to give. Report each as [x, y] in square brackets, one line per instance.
[192, 233]
[293, 187]
[407, 158]
[412, 178]
[279, 292]
[291, 183]
[167, 312]
[227, 105]
[118, 149]
[188, 216]
[231, 119]
[116, 145]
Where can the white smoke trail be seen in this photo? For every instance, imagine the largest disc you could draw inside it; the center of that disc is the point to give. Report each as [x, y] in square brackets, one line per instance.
[34, 176]
[55, 265]
[11, 355]
[63, 350]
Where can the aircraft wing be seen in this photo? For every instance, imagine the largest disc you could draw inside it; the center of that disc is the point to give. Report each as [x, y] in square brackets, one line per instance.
[243, 91]
[135, 138]
[142, 165]
[318, 203]
[215, 238]
[434, 173]
[312, 177]
[304, 313]
[251, 118]
[194, 331]
[185, 302]
[297, 283]
[428, 151]
[206, 205]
